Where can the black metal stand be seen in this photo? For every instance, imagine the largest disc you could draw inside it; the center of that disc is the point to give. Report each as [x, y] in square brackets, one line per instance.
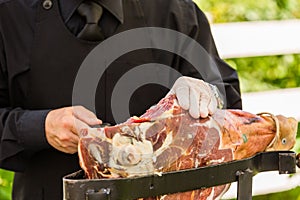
[242, 171]
[244, 190]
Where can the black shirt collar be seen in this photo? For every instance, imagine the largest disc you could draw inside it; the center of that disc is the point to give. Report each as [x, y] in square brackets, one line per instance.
[113, 6]
[69, 6]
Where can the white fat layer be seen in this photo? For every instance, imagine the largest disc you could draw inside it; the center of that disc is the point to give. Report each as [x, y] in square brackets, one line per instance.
[167, 114]
[196, 163]
[211, 196]
[165, 145]
[141, 154]
[97, 133]
[216, 161]
[223, 192]
[142, 129]
[93, 148]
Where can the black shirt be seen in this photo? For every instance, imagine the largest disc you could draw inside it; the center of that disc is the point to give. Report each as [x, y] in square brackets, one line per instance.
[23, 145]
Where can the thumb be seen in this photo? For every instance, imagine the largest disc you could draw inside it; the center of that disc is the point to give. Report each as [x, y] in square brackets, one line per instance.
[86, 115]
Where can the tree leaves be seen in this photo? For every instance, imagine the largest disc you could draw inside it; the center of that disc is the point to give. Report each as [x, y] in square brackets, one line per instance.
[6, 178]
[269, 72]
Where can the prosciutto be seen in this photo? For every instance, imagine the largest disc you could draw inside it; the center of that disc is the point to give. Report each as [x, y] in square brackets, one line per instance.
[166, 138]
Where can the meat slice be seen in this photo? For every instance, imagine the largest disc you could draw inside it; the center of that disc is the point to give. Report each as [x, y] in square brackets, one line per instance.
[166, 138]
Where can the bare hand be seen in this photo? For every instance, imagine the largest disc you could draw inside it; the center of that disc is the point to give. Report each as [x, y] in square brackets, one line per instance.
[63, 126]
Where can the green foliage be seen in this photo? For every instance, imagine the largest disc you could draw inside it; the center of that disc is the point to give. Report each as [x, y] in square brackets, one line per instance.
[297, 146]
[265, 73]
[6, 178]
[290, 194]
[250, 10]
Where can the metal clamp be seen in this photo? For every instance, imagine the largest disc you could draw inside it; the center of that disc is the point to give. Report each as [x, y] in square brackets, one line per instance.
[242, 171]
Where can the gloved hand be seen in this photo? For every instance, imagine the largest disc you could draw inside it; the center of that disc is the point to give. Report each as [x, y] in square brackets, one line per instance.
[196, 96]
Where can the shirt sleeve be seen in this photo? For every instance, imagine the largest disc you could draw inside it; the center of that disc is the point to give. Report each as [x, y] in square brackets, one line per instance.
[22, 132]
[226, 79]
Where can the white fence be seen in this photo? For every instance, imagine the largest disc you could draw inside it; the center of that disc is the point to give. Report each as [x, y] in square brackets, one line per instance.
[263, 38]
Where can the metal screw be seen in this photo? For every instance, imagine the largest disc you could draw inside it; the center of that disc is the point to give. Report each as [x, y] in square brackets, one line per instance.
[47, 4]
[151, 187]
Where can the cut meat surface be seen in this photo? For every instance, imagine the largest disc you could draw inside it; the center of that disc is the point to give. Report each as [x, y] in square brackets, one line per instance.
[166, 138]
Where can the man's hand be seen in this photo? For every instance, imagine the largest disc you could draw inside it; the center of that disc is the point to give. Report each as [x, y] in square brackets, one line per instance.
[63, 126]
[195, 95]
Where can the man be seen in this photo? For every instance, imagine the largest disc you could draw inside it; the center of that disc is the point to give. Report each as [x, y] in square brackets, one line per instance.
[42, 45]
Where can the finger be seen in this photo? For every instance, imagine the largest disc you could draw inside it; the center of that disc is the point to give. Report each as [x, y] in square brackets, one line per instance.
[194, 104]
[74, 139]
[204, 102]
[212, 107]
[78, 127]
[182, 94]
[71, 145]
[86, 115]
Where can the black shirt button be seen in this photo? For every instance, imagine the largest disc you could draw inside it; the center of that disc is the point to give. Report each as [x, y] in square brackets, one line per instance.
[47, 4]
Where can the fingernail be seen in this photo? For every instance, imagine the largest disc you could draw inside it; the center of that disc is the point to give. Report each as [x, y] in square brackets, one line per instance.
[204, 115]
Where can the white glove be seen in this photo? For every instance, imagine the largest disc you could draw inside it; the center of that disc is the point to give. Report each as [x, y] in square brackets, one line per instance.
[196, 96]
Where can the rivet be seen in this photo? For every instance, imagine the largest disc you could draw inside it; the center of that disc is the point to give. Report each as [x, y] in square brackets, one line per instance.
[47, 4]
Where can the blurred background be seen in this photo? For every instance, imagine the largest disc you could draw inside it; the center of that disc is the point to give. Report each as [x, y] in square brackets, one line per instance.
[261, 40]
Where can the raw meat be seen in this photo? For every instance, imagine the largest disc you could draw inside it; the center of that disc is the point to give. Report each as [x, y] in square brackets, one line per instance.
[166, 138]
